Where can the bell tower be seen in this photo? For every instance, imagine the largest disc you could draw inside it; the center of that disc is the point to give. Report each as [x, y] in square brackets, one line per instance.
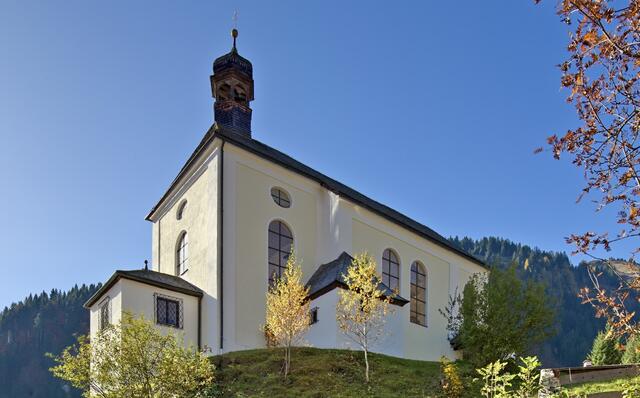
[232, 88]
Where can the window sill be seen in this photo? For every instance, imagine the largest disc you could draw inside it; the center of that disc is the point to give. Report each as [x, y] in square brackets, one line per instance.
[168, 326]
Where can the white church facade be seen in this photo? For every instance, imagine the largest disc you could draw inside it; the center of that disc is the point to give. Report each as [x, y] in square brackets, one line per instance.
[227, 222]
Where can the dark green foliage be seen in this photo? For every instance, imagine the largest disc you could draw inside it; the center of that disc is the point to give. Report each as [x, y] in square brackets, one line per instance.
[605, 349]
[29, 329]
[503, 317]
[576, 325]
[632, 350]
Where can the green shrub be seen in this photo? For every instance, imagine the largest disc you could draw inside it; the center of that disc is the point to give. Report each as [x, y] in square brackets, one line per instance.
[496, 384]
[529, 376]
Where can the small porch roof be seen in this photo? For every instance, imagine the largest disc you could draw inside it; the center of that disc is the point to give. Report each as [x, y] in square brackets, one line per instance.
[153, 278]
[331, 275]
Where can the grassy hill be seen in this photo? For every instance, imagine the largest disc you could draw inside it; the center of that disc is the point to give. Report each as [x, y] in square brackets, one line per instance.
[318, 373]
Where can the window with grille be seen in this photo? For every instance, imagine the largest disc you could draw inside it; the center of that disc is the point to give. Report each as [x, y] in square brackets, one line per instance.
[168, 311]
[418, 294]
[281, 197]
[182, 254]
[391, 269]
[280, 244]
[105, 314]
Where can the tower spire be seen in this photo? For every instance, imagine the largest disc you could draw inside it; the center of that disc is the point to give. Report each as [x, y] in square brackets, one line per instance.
[232, 88]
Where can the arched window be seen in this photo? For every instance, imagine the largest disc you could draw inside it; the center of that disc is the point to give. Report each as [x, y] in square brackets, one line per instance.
[280, 244]
[105, 314]
[224, 92]
[239, 95]
[281, 197]
[391, 269]
[182, 254]
[418, 294]
[181, 209]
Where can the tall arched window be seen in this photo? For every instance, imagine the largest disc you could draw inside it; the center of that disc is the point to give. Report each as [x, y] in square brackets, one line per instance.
[418, 294]
[182, 254]
[280, 244]
[391, 269]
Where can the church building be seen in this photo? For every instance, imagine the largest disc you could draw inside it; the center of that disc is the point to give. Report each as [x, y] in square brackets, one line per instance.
[227, 223]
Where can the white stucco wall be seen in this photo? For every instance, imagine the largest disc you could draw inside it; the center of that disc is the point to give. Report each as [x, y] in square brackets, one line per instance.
[114, 295]
[327, 334]
[138, 298]
[200, 221]
[248, 210]
[324, 333]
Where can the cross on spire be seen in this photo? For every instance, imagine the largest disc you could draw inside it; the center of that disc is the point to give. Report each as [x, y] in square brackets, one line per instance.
[234, 31]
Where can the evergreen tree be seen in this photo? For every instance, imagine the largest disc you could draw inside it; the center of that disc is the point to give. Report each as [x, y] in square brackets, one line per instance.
[605, 350]
[632, 350]
[29, 329]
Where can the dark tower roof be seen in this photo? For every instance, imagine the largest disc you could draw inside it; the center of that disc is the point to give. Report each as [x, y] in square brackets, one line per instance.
[233, 60]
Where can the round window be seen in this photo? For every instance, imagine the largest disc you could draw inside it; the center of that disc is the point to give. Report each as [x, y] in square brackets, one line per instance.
[281, 197]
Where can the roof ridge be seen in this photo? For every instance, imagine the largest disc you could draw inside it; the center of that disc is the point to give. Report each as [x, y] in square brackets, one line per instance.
[338, 187]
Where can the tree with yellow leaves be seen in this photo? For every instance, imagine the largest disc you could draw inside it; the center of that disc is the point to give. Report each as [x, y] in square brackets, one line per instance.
[362, 307]
[135, 359]
[288, 316]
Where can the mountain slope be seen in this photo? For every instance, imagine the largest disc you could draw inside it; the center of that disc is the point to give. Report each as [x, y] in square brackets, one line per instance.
[46, 322]
[576, 325]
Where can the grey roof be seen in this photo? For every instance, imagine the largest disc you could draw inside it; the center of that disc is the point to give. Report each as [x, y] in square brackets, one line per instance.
[266, 152]
[331, 275]
[153, 278]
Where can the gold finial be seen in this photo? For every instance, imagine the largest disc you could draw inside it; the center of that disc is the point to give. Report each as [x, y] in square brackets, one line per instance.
[234, 34]
[234, 31]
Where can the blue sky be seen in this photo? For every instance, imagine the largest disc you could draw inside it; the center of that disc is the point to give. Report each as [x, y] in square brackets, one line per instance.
[433, 108]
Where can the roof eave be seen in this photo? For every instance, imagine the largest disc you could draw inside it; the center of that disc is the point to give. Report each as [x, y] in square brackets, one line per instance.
[208, 138]
[355, 200]
[119, 275]
[399, 301]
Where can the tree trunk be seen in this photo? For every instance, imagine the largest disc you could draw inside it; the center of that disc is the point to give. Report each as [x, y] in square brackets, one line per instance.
[286, 361]
[366, 366]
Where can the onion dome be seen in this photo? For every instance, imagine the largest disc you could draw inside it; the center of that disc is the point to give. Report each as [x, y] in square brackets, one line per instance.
[233, 60]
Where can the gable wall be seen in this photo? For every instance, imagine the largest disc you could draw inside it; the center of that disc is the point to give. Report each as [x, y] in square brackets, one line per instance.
[200, 221]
